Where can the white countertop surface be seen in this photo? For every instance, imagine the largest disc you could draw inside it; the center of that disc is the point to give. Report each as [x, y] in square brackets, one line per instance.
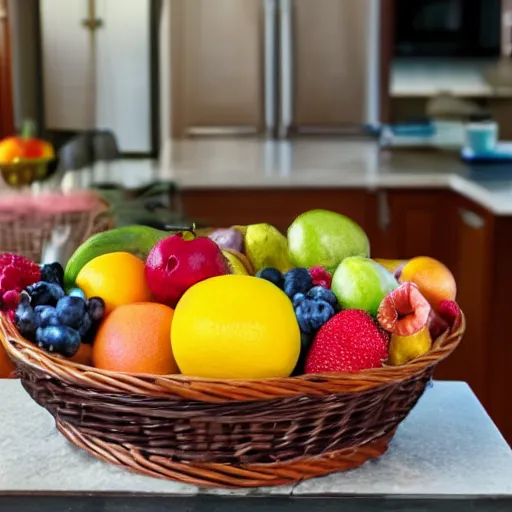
[447, 446]
[305, 163]
[424, 78]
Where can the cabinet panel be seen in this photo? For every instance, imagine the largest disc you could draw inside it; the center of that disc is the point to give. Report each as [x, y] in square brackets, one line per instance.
[217, 64]
[123, 73]
[100, 81]
[66, 65]
[471, 239]
[277, 207]
[497, 334]
[332, 46]
[408, 223]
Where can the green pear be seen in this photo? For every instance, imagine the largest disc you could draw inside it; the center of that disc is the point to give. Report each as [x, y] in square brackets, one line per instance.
[324, 238]
[266, 247]
[361, 283]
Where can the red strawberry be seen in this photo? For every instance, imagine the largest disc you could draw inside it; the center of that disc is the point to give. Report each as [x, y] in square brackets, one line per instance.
[349, 342]
[320, 277]
[16, 273]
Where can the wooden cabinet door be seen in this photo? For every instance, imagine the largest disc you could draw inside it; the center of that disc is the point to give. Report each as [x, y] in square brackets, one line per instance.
[67, 66]
[217, 66]
[453, 230]
[335, 64]
[407, 223]
[6, 99]
[277, 207]
[470, 232]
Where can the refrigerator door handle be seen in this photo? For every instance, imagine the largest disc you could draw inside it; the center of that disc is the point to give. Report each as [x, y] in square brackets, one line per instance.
[270, 65]
[286, 67]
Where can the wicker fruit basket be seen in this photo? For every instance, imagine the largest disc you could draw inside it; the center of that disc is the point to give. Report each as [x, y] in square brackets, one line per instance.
[26, 225]
[231, 434]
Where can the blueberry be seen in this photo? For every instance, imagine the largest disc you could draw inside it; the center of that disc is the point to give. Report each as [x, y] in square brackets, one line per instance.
[273, 275]
[76, 292]
[297, 299]
[45, 294]
[52, 273]
[297, 280]
[96, 309]
[26, 320]
[60, 339]
[303, 314]
[321, 311]
[70, 311]
[85, 326]
[47, 315]
[321, 293]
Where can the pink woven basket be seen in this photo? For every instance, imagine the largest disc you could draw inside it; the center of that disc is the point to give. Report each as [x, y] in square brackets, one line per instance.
[27, 222]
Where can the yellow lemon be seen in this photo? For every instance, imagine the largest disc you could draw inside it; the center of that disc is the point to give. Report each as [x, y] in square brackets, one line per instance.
[235, 327]
[118, 278]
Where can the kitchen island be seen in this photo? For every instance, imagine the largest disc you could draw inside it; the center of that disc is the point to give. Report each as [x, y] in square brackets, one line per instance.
[446, 456]
[410, 203]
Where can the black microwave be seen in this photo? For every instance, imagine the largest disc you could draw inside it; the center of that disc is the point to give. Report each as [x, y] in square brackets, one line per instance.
[447, 28]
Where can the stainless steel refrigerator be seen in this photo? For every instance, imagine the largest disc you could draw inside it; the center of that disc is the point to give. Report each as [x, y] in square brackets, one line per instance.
[274, 67]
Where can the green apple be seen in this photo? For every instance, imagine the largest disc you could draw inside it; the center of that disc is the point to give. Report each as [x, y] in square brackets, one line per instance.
[361, 283]
[324, 238]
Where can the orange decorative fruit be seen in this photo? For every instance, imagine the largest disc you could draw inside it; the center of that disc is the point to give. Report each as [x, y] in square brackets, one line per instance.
[83, 356]
[434, 280]
[25, 147]
[135, 338]
[7, 367]
[118, 278]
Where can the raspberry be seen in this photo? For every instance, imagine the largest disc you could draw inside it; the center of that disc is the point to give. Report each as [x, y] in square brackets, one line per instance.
[321, 277]
[11, 299]
[16, 273]
[450, 312]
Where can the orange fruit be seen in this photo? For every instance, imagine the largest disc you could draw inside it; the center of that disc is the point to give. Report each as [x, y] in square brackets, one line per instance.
[84, 355]
[118, 278]
[433, 278]
[135, 338]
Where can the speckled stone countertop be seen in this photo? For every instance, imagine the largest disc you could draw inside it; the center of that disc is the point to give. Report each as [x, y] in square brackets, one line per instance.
[306, 163]
[447, 451]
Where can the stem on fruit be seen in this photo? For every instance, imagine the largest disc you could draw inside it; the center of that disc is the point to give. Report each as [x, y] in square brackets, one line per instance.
[189, 229]
[28, 129]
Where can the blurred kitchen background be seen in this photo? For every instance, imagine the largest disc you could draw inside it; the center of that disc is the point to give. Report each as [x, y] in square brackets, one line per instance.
[397, 113]
[162, 69]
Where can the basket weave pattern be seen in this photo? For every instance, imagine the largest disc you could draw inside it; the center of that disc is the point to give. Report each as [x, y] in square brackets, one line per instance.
[26, 234]
[226, 433]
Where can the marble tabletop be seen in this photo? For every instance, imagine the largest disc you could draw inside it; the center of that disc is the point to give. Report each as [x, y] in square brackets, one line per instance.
[446, 451]
[304, 163]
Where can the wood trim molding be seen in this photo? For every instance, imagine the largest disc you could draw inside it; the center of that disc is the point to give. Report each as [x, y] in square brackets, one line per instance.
[6, 94]
[387, 43]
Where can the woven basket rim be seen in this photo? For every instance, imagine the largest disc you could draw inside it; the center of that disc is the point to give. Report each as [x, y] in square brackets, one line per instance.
[23, 163]
[24, 352]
